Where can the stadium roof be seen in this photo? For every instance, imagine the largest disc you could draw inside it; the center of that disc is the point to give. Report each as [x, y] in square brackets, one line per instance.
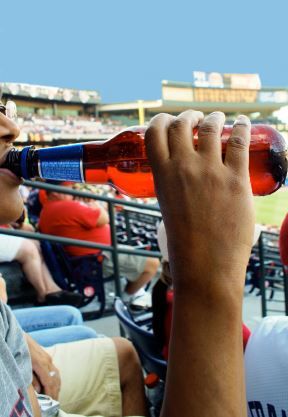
[180, 96]
[52, 94]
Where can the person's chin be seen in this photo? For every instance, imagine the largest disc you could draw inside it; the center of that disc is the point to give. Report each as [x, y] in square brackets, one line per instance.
[12, 209]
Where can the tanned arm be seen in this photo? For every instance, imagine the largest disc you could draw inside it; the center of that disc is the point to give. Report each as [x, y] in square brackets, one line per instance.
[208, 212]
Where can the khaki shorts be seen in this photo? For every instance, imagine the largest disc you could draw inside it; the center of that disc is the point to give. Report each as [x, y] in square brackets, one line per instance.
[130, 266]
[90, 382]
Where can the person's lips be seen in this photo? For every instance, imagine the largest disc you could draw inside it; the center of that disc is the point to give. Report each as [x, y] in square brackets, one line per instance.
[6, 172]
[9, 174]
[4, 156]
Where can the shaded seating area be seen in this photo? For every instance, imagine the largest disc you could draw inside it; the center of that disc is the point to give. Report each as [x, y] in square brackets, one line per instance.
[82, 274]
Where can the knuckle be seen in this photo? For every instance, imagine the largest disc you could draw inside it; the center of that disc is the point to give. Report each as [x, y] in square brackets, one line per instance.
[175, 126]
[208, 128]
[158, 119]
[238, 142]
[151, 133]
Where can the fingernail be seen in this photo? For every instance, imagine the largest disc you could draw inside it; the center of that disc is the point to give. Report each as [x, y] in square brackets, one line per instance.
[242, 120]
[217, 113]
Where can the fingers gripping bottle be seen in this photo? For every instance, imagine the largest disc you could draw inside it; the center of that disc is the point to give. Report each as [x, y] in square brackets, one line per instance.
[122, 161]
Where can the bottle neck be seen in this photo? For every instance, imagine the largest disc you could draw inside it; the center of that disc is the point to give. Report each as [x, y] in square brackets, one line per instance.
[24, 163]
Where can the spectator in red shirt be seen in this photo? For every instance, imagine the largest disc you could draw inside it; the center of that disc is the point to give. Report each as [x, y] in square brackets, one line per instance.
[63, 216]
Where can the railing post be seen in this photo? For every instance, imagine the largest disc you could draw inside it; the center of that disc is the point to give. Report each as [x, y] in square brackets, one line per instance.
[128, 227]
[114, 252]
[262, 277]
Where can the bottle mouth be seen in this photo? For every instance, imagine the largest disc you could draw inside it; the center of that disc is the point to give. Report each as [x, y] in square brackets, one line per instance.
[3, 158]
[12, 162]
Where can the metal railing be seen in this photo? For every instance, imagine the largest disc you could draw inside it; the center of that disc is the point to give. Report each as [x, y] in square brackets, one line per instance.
[113, 248]
[273, 277]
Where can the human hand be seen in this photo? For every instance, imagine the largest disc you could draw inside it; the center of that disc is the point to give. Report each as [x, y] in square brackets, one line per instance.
[206, 202]
[46, 377]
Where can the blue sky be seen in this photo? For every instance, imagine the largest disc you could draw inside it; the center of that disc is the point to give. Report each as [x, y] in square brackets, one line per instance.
[124, 48]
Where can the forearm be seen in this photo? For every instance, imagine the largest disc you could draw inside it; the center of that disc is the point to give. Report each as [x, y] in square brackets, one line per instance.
[205, 371]
[103, 217]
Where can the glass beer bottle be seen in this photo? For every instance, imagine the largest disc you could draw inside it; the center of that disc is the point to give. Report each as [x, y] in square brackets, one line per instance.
[122, 161]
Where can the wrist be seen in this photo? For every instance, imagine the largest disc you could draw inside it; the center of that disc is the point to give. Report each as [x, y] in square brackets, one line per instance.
[217, 287]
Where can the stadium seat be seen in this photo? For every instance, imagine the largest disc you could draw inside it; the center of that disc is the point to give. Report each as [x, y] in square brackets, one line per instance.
[83, 273]
[20, 291]
[144, 341]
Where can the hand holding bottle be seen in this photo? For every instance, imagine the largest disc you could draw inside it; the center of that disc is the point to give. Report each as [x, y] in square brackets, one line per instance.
[206, 202]
[122, 161]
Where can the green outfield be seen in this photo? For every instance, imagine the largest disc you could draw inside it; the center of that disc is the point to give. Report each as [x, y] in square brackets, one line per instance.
[272, 208]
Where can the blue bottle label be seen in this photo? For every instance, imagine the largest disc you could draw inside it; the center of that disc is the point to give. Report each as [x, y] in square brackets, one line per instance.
[64, 163]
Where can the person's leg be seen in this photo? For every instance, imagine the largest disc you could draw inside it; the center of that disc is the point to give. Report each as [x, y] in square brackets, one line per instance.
[131, 379]
[51, 337]
[93, 373]
[150, 270]
[50, 284]
[138, 270]
[40, 318]
[30, 260]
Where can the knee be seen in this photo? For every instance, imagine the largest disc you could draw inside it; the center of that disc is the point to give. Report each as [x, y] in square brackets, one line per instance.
[128, 359]
[84, 332]
[73, 315]
[152, 265]
[27, 251]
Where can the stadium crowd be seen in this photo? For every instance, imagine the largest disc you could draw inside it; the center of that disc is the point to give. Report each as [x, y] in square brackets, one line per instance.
[45, 128]
[208, 257]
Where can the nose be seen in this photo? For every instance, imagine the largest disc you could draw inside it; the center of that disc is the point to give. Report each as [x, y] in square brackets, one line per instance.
[9, 131]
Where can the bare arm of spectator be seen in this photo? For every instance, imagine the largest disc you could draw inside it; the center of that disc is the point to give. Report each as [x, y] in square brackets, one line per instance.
[208, 212]
[103, 216]
[46, 377]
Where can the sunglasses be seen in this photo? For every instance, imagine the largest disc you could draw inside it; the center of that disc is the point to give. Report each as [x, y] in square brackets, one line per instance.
[9, 110]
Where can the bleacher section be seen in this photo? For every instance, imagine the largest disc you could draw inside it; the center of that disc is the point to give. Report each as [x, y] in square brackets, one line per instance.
[137, 223]
[35, 128]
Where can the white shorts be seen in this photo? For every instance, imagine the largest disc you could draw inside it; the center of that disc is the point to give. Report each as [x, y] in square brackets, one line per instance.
[130, 266]
[9, 247]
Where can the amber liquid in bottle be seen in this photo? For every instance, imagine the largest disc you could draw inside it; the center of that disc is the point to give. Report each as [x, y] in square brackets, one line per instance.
[122, 161]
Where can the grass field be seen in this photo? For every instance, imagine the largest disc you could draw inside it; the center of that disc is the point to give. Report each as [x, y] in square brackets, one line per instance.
[272, 208]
